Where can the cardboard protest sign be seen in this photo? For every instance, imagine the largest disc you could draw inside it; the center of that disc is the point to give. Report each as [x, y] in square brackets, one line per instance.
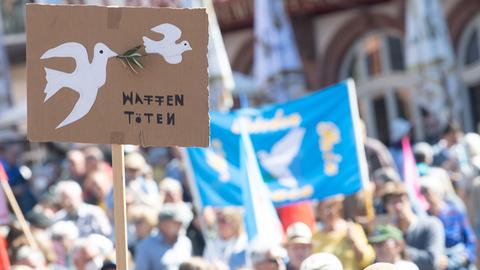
[117, 75]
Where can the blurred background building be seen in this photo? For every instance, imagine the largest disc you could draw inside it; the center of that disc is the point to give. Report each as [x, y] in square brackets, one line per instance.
[363, 39]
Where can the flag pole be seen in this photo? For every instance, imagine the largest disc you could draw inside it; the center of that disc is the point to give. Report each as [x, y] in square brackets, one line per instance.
[18, 213]
[362, 158]
[120, 220]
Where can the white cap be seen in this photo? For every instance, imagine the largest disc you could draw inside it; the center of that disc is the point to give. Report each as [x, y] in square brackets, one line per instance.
[299, 232]
[321, 261]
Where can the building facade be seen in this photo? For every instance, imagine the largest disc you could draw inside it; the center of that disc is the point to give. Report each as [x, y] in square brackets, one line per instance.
[337, 39]
[364, 40]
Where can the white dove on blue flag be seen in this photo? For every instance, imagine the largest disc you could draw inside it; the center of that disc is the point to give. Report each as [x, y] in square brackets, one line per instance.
[168, 46]
[86, 79]
[283, 152]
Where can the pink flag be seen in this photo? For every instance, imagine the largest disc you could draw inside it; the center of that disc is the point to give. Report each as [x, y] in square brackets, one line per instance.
[412, 178]
[4, 213]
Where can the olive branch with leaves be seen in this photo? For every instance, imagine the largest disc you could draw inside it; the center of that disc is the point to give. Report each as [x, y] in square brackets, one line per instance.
[132, 59]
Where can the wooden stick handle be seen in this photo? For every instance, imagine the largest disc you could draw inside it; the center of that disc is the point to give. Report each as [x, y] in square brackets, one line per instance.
[119, 207]
[18, 213]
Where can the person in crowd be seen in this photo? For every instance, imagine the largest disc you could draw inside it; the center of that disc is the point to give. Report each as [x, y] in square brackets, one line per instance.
[76, 166]
[229, 247]
[64, 234]
[424, 235]
[98, 185]
[321, 261]
[267, 256]
[460, 240]
[379, 178]
[195, 263]
[171, 190]
[28, 257]
[142, 190]
[89, 253]
[88, 218]
[423, 154]
[377, 153]
[39, 223]
[299, 244]
[383, 266]
[158, 158]
[144, 221]
[21, 189]
[389, 246]
[446, 154]
[95, 161]
[398, 129]
[344, 239]
[170, 247]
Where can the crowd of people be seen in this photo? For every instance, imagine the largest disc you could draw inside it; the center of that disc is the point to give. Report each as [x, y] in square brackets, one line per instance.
[68, 202]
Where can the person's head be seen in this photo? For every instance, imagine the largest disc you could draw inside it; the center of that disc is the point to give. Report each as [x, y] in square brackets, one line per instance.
[267, 257]
[30, 257]
[172, 218]
[432, 190]
[76, 163]
[11, 153]
[322, 261]
[195, 263]
[382, 266]
[144, 219]
[331, 209]
[388, 243]
[472, 143]
[90, 253]
[99, 184]
[423, 153]
[229, 222]
[171, 190]
[299, 243]
[134, 165]
[93, 158]
[65, 233]
[382, 176]
[396, 201]
[69, 195]
[38, 220]
[451, 133]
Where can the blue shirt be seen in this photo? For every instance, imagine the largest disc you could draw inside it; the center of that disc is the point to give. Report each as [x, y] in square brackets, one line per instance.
[457, 229]
[153, 253]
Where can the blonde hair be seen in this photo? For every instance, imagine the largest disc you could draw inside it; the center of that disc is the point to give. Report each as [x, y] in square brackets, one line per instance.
[235, 215]
[140, 212]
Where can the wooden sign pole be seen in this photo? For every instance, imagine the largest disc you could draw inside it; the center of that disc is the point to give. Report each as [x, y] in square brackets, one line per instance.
[119, 207]
[18, 213]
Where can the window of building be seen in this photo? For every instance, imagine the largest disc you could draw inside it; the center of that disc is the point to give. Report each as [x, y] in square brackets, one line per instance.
[469, 60]
[376, 63]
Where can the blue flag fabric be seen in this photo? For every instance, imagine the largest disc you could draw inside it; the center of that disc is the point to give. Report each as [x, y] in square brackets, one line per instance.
[306, 149]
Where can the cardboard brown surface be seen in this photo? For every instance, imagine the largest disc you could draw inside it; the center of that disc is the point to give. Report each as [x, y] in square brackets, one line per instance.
[175, 86]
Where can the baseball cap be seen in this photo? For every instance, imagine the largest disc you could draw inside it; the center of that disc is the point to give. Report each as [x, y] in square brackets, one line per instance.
[299, 232]
[385, 232]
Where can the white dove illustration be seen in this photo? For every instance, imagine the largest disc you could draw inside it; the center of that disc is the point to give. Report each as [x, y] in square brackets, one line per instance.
[168, 46]
[283, 152]
[86, 79]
